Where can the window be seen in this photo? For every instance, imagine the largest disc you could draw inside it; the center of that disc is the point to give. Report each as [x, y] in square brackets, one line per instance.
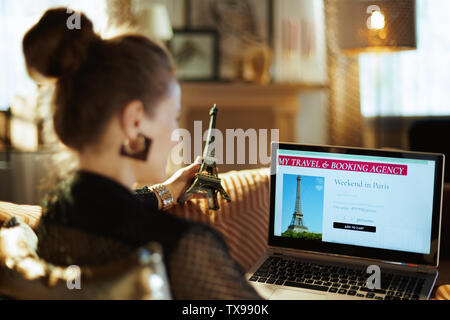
[411, 83]
[16, 18]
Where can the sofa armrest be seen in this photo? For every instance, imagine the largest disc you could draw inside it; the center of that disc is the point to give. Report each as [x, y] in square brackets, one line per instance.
[28, 214]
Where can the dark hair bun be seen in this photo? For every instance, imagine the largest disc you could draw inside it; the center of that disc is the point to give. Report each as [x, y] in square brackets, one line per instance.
[54, 47]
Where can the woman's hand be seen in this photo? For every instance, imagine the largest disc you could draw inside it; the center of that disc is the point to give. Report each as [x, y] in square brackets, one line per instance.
[182, 179]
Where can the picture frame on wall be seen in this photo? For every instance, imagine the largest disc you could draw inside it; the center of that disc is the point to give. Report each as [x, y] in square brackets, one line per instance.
[196, 54]
[242, 26]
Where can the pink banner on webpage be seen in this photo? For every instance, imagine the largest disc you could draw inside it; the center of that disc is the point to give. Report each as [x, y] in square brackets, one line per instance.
[356, 166]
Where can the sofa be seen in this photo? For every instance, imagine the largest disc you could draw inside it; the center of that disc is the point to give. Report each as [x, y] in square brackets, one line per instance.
[243, 221]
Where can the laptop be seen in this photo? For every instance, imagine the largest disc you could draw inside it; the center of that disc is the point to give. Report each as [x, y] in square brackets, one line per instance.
[351, 223]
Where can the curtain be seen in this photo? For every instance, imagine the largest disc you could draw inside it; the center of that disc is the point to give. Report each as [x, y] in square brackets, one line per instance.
[345, 120]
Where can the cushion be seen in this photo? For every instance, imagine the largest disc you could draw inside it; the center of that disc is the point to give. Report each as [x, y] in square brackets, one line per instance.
[443, 293]
[28, 214]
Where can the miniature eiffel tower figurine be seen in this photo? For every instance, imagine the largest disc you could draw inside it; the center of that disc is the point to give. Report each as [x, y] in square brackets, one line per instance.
[208, 184]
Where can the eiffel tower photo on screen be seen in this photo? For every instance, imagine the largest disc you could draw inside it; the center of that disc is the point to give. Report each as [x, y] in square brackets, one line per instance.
[302, 207]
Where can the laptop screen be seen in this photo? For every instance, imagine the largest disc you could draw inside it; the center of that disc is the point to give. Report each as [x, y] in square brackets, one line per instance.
[355, 199]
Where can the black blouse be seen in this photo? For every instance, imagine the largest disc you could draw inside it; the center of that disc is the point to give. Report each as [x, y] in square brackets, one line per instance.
[197, 259]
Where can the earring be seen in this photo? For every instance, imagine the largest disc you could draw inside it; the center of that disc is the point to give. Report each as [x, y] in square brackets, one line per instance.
[137, 149]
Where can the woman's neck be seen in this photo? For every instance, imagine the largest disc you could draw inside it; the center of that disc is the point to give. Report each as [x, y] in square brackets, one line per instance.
[110, 166]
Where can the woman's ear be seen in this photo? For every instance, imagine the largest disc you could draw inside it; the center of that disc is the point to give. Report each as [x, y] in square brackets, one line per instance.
[131, 119]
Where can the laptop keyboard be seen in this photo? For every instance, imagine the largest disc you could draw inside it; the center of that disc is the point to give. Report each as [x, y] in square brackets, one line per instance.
[336, 279]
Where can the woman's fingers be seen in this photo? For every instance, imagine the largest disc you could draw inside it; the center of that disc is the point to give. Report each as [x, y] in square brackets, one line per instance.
[182, 179]
[198, 160]
[194, 167]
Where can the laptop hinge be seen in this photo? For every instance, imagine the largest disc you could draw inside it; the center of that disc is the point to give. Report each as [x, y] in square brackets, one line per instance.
[277, 251]
[425, 269]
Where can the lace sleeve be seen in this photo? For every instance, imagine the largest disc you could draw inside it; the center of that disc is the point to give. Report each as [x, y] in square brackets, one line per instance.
[202, 269]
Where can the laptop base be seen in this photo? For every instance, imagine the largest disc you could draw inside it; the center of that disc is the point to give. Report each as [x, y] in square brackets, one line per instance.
[311, 276]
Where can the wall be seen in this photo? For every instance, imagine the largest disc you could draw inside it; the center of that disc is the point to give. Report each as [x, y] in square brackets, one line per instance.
[21, 174]
[312, 120]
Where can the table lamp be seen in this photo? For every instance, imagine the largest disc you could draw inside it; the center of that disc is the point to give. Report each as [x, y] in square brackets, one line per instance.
[153, 20]
[376, 26]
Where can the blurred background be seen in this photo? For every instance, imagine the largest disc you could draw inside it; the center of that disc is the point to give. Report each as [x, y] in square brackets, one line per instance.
[342, 72]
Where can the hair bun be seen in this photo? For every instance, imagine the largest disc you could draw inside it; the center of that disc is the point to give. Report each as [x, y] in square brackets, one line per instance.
[53, 49]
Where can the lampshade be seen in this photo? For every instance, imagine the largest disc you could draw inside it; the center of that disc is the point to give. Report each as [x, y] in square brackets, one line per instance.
[154, 21]
[376, 26]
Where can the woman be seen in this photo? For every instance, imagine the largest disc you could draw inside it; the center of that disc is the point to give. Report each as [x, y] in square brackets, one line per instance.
[116, 104]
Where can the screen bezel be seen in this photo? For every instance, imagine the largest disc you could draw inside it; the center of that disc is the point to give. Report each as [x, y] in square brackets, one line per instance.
[360, 251]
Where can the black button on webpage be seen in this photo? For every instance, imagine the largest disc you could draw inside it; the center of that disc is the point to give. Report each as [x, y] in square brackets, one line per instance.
[354, 227]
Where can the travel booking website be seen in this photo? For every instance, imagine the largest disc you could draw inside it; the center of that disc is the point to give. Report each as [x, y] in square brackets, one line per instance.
[357, 200]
